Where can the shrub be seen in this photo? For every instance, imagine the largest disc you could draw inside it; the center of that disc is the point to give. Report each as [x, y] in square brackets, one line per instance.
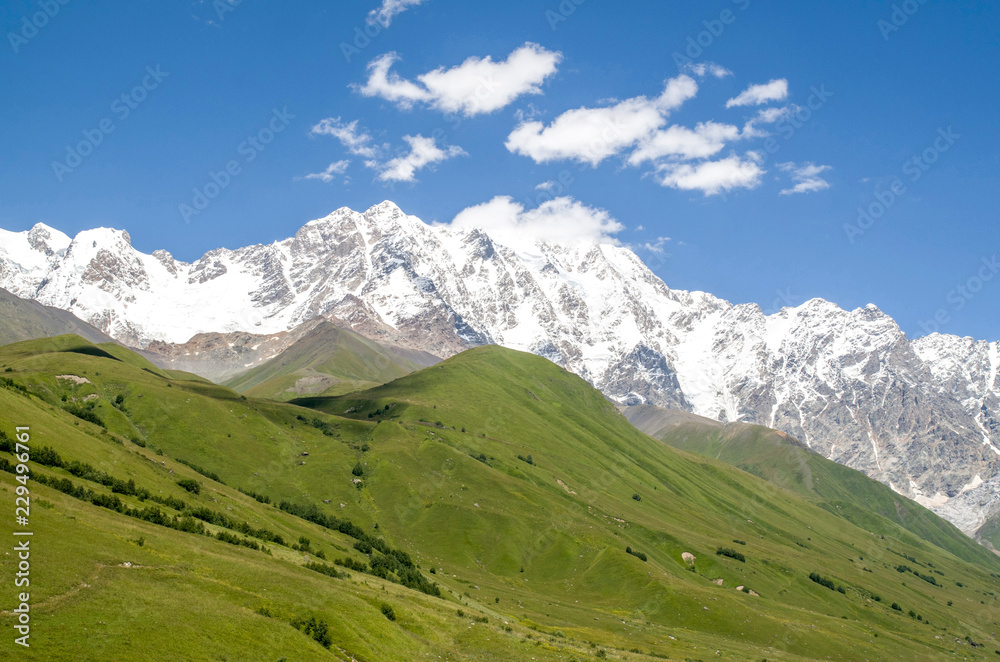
[260, 498]
[317, 629]
[895, 606]
[192, 486]
[740, 542]
[821, 580]
[46, 457]
[636, 553]
[211, 475]
[636, 497]
[324, 569]
[388, 611]
[358, 470]
[731, 553]
[85, 413]
[523, 458]
[351, 564]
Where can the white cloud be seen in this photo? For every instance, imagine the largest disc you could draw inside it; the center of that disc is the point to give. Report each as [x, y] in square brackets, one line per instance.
[562, 220]
[389, 9]
[590, 135]
[705, 140]
[702, 68]
[389, 86]
[775, 90]
[766, 116]
[658, 246]
[713, 177]
[334, 169]
[357, 142]
[477, 86]
[423, 152]
[806, 177]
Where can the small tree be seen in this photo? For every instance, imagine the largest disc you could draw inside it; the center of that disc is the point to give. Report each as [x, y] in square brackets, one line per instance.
[192, 486]
[358, 470]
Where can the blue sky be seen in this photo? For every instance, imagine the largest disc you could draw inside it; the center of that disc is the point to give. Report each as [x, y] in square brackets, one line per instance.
[753, 155]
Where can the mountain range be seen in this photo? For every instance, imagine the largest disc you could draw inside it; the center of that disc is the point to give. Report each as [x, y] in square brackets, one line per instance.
[493, 506]
[917, 415]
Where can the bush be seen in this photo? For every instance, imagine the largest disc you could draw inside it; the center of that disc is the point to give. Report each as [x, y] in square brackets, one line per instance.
[192, 486]
[821, 580]
[260, 498]
[895, 605]
[358, 470]
[46, 457]
[522, 458]
[388, 611]
[731, 553]
[740, 542]
[85, 413]
[318, 629]
[324, 569]
[636, 553]
[636, 497]
[211, 475]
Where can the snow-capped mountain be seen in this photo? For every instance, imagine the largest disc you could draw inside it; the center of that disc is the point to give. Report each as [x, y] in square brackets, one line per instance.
[917, 415]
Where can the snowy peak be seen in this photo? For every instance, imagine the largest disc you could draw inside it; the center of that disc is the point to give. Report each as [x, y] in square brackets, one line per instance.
[920, 416]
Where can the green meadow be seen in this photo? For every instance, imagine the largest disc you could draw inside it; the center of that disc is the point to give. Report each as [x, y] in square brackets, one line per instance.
[490, 507]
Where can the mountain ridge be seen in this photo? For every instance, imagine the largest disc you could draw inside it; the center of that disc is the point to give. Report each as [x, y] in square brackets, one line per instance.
[848, 383]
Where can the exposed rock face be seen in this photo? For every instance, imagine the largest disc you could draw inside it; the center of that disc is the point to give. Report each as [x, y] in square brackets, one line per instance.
[921, 416]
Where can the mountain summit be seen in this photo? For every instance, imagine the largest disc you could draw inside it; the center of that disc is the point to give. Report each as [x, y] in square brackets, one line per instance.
[917, 415]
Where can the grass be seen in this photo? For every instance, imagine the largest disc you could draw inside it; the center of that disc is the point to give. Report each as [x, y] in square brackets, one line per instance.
[326, 361]
[845, 492]
[536, 549]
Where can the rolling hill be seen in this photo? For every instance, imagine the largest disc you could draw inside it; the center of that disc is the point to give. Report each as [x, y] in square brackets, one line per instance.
[328, 360]
[788, 463]
[490, 507]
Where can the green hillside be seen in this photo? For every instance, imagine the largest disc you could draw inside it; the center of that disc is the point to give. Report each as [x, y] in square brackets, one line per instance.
[495, 479]
[790, 464]
[328, 360]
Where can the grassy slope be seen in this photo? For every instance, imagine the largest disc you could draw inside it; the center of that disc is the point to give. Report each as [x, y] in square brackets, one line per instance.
[786, 462]
[328, 360]
[565, 520]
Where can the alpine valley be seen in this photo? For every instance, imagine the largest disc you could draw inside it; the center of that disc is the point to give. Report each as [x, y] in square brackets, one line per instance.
[917, 415]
